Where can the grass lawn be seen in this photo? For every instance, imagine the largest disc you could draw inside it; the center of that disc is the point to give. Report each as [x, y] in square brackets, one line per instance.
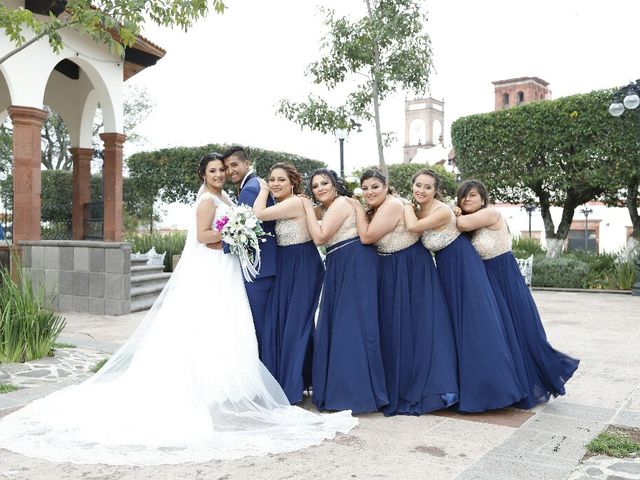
[616, 442]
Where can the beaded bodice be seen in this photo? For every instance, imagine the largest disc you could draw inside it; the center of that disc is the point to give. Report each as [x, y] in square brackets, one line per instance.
[291, 232]
[491, 243]
[436, 240]
[397, 239]
[346, 231]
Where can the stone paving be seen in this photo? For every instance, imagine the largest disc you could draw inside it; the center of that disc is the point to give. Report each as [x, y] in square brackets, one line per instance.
[607, 468]
[545, 443]
[72, 364]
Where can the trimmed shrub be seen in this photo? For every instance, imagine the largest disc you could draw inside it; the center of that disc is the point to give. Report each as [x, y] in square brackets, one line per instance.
[563, 272]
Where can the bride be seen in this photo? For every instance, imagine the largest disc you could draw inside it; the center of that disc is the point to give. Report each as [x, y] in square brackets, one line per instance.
[188, 385]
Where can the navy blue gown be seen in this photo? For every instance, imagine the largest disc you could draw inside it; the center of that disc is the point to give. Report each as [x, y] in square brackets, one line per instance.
[347, 365]
[418, 347]
[489, 370]
[547, 370]
[287, 338]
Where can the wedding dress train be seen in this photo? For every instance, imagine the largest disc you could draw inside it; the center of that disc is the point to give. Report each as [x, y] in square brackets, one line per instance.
[186, 387]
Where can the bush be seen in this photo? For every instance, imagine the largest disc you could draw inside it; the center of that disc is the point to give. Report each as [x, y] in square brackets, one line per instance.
[172, 243]
[28, 329]
[566, 271]
[524, 247]
[623, 276]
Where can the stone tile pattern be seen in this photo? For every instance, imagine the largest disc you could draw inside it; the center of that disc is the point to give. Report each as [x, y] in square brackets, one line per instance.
[82, 276]
[72, 364]
[607, 468]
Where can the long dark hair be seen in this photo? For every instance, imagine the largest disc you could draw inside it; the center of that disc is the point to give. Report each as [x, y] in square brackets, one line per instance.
[469, 185]
[437, 181]
[204, 161]
[374, 173]
[292, 174]
[337, 182]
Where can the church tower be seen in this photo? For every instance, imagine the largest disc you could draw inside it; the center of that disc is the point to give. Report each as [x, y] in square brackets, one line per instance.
[423, 125]
[518, 91]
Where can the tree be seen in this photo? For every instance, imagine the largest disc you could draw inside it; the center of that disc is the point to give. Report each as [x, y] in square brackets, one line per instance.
[114, 23]
[384, 51]
[563, 153]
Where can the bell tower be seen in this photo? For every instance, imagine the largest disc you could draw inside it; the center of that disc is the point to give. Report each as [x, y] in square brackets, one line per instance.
[518, 91]
[423, 125]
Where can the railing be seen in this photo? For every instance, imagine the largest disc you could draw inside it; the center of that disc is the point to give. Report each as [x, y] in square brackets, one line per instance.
[93, 221]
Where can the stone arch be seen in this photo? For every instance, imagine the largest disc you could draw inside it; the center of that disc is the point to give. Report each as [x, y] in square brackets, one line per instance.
[5, 95]
[77, 98]
[436, 132]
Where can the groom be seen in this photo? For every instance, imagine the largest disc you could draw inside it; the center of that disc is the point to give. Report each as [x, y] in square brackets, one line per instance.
[239, 171]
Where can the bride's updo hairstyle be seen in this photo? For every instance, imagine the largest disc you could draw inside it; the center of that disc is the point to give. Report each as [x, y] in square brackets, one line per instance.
[204, 161]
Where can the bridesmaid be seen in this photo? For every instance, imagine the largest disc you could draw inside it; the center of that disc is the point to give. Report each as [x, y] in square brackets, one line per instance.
[287, 339]
[418, 346]
[547, 369]
[347, 363]
[488, 371]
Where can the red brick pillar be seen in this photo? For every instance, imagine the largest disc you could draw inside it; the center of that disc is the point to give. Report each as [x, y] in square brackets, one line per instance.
[81, 189]
[112, 185]
[27, 126]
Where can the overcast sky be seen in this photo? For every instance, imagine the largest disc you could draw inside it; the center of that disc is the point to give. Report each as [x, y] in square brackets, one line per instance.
[221, 81]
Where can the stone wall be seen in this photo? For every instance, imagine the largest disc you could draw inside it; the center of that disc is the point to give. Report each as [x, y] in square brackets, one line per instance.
[82, 276]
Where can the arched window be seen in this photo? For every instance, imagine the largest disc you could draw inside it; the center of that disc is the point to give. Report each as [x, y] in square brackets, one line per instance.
[520, 97]
[418, 132]
[505, 100]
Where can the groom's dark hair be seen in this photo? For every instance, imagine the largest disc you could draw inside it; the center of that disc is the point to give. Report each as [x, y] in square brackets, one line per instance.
[236, 151]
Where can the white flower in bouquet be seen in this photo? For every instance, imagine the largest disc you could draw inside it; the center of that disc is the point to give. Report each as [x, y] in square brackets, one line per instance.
[357, 192]
[241, 230]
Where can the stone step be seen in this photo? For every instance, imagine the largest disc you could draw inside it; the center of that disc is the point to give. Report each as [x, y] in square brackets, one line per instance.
[145, 269]
[139, 304]
[138, 261]
[150, 277]
[147, 289]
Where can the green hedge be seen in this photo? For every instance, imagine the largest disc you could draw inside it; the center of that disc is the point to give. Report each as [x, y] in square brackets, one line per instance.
[400, 175]
[562, 272]
[583, 270]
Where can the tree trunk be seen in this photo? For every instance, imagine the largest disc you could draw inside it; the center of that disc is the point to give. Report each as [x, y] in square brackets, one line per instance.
[632, 205]
[375, 93]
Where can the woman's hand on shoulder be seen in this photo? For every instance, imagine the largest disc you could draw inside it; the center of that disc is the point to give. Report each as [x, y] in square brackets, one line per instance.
[263, 184]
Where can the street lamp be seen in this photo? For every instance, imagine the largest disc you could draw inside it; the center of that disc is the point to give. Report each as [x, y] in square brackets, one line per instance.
[341, 134]
[586, 212]
[530, 208]
[626, 98]
[631, 101]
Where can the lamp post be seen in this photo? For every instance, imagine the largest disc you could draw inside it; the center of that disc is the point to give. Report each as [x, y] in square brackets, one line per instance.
[530, 208]
[630, 101]
[586, 212]
[341, 133]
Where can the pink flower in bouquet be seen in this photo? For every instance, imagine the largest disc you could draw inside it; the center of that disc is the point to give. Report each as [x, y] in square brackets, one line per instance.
[221, 223]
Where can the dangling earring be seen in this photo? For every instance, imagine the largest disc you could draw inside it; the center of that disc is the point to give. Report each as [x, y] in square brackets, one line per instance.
[291, 189]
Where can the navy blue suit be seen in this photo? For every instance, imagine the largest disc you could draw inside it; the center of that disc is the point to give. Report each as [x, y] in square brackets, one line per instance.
[259, 290]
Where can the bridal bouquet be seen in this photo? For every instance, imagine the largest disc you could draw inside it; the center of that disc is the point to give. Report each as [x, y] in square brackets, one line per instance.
[241, 230]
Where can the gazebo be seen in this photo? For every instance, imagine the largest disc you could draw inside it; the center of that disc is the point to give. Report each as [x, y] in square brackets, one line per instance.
[83, 76]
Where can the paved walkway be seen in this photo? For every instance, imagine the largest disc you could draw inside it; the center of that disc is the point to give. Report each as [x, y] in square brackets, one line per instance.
[548, 442]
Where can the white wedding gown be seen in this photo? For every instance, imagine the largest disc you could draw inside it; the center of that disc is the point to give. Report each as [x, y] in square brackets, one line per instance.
[186, 387]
